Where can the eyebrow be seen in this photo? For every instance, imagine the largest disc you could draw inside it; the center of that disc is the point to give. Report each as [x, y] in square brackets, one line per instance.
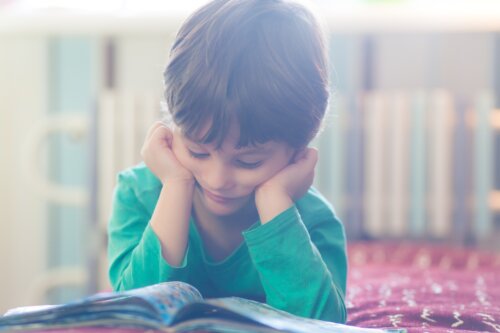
[253, 151]
[239, 151]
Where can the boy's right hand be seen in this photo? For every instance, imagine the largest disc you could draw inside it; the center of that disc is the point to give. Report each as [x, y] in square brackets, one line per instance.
[158, 155]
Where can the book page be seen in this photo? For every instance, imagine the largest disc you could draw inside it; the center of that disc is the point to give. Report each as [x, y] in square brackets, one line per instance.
[147, 307]
[168, 297]
[271, 317]
[27, 309]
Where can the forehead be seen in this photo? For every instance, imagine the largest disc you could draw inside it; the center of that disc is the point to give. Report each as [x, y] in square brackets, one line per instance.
[229, 142]
[232, 133]
[229, 138]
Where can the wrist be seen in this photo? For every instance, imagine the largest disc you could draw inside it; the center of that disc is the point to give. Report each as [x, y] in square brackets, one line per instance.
[270, 202]
[267, 194]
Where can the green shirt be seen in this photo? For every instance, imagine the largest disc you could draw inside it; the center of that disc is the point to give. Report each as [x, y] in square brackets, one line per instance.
[295, 262]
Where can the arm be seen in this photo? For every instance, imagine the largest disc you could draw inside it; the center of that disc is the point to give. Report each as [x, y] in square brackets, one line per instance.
[279, 192]
[302, 272]
[167, 231]
[135, 251]
[174, 206]
[170, 220]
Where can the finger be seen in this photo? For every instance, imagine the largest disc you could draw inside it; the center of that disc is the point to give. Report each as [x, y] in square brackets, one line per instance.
[309, 154]
[309, 159]
[312, 155]
[163, 133]
[309, 163]
[160, 133]
[152, 129]
[299, 154]
[149, 134]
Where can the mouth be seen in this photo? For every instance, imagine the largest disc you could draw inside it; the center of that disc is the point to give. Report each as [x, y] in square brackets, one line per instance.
[215, 197]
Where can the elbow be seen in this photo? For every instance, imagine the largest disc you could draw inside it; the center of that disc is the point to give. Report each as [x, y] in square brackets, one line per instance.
[334, 310]
[116, 283]
[336, 313]
[341, 308]
[342, 313]
[116, 275]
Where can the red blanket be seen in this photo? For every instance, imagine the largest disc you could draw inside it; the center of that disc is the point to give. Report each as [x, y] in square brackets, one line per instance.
[423, 288]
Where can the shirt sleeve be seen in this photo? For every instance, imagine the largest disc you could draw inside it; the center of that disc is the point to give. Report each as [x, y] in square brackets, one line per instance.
[302, 272]
[134, 250]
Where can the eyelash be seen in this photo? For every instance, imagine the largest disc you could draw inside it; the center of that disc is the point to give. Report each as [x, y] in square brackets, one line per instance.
[240, 163]
[198, 155]
[249, 165]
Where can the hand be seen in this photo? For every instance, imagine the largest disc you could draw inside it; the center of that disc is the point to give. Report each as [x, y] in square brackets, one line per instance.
[158, 155]
[280, 191]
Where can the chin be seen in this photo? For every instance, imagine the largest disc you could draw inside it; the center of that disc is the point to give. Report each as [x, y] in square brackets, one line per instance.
[224, 210]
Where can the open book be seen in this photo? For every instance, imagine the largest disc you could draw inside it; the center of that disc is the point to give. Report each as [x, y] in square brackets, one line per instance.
[169, 307]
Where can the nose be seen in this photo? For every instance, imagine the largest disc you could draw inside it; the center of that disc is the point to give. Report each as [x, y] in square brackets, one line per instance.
[218, 177]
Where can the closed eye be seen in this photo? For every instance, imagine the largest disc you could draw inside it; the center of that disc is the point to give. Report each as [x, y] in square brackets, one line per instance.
[247, 165]
[239, 163]
[198, 155]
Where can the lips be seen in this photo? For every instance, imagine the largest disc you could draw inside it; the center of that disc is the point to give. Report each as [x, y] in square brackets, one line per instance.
[216, 197]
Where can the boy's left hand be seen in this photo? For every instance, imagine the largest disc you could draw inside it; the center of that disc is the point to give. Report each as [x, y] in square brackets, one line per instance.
[280, 191]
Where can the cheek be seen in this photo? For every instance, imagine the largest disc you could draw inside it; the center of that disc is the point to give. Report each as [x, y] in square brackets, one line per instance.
[253, 178]
[184, 157]
[185, 160]
[256, 177]
[270, 169]
[250, 180]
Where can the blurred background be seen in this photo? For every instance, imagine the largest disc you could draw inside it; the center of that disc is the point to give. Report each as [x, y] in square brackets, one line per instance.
[410, 149]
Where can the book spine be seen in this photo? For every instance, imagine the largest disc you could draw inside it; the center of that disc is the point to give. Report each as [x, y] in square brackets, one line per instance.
[337, 135]
[417, 164]
[440, 122]
[494, 195]
[461, 172]
[494, 199]
[354, 160]
[329, 177]
[397, 165]
[374, 169]
[483, 166]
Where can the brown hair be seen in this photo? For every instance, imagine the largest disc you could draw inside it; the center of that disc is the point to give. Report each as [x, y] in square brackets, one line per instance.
[261, 61]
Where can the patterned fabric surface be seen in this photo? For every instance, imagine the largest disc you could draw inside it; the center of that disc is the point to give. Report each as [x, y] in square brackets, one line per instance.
[424, 288]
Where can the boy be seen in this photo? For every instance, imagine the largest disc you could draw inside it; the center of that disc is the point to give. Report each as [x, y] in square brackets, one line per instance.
[223, 200]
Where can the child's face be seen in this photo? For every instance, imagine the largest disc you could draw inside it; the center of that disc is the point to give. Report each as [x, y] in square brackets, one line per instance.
[228, 177]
